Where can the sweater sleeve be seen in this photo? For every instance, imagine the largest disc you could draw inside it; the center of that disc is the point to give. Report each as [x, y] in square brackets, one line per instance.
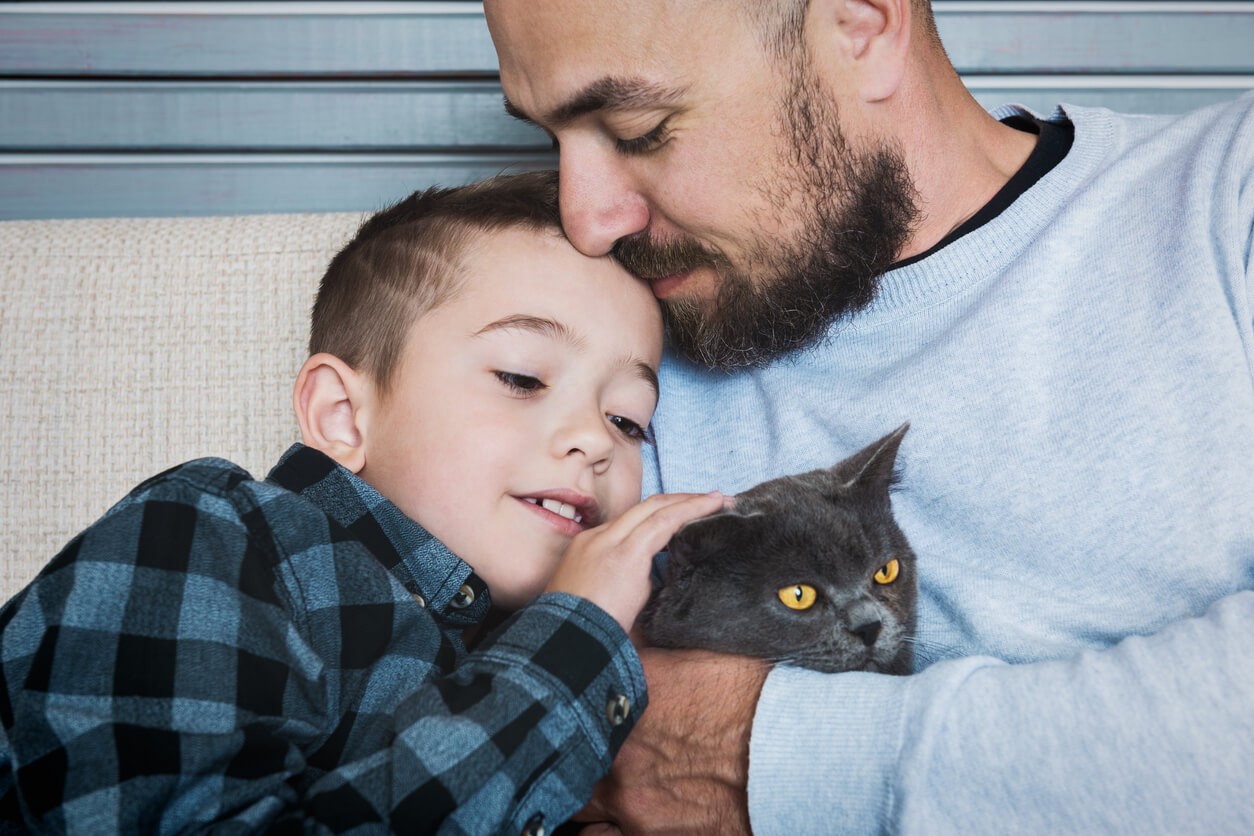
[1152, 732]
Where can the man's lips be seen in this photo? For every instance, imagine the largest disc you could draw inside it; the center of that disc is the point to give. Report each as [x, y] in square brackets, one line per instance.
[665, 286]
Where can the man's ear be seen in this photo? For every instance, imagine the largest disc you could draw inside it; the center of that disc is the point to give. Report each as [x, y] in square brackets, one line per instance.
[332, 404]
[872, 37]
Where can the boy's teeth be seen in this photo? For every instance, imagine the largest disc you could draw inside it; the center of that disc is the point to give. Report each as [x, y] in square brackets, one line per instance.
[559, 508]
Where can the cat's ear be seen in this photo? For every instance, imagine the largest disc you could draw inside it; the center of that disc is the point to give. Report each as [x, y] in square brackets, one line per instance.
[872, 467]
[713, 534]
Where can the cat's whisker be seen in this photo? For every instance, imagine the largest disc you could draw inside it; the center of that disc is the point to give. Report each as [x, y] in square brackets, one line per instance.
[786, 659]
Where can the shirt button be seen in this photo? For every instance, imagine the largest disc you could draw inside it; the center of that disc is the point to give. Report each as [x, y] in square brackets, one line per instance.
[617, 709]
[422, 602]
[464, 597]
[534, 826]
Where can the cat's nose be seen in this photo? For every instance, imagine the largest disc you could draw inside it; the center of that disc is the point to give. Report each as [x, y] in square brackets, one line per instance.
[868, 632]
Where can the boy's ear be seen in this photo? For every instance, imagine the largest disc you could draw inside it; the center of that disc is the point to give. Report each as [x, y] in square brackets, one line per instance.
[329, 397]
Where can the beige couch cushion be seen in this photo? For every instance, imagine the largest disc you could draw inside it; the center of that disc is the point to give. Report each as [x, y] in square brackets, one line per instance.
[131, 345]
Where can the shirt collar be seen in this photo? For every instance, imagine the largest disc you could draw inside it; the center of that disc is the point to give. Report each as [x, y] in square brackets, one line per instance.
[424, 565]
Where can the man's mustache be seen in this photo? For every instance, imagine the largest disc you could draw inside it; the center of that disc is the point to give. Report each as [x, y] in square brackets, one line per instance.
[649, 259]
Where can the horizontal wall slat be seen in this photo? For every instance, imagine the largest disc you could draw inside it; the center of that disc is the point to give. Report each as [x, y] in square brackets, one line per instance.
[259, 115]
[421, 40]
[269, 116]
[1160, 95]
[1062, 42]
[120, 185]
[340, 39]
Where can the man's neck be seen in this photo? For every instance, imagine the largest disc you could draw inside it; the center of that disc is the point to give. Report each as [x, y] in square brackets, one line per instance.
[960, 164]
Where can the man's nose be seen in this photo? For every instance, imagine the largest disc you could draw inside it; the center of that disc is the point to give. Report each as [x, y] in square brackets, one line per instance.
[598, 202]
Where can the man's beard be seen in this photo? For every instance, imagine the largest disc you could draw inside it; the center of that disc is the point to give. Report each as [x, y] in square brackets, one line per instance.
[863, 210]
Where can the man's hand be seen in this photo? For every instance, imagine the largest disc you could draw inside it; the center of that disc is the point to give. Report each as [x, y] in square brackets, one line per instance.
[685, 766]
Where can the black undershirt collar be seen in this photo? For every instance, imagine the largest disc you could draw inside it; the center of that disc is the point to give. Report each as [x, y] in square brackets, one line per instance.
[1053, 143]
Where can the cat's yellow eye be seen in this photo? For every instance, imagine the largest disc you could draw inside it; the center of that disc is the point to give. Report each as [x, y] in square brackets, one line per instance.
[888, 572]
[799, 596]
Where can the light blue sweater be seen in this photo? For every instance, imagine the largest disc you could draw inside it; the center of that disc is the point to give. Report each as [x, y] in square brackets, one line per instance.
[1078, 487]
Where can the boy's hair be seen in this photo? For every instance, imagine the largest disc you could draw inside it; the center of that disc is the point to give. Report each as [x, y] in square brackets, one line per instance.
[406, 260]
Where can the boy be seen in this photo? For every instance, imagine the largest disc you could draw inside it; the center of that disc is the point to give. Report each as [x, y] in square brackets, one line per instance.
[289, 654]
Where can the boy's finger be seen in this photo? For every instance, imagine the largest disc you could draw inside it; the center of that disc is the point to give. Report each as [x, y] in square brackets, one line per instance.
[671, 510]
[637, 514]
[654, 531]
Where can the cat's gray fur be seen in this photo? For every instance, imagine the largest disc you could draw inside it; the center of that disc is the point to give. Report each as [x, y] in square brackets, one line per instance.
[832, 529]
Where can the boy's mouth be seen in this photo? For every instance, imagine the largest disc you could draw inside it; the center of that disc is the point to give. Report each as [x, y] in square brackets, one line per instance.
[562, 509]
[568, 510]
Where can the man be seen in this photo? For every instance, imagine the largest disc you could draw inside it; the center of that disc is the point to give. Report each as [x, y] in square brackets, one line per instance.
[1062, 307]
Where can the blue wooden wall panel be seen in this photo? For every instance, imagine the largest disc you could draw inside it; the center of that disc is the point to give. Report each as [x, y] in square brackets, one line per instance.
[220, 107]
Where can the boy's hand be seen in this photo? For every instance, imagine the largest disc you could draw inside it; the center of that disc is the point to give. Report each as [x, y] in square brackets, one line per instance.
[609, 565]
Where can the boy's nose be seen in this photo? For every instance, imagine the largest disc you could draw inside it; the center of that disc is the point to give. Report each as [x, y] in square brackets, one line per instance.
[598, 204]
[588, 435]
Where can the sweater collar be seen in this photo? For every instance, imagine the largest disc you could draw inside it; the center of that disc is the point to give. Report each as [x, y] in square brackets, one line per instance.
[984, 253]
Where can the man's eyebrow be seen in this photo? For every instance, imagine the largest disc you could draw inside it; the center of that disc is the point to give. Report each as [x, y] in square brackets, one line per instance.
[608, 93]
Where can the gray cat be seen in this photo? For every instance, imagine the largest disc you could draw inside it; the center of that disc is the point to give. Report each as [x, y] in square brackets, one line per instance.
[808, 570]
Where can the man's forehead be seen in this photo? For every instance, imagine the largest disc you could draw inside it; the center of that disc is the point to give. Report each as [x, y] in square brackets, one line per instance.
[550, 42]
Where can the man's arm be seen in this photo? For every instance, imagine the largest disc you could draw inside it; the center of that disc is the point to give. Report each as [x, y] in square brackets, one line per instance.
[686, 764]
[1153, 735]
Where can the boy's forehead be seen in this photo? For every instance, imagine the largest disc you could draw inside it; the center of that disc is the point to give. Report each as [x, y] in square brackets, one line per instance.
[531, 266]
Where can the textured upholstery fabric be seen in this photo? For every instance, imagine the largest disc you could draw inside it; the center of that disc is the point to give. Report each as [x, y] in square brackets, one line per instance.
[130, 345]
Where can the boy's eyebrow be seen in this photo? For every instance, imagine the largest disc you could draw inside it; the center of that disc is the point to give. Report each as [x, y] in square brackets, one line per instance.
[558, 330]
[648, 376]
[606, 93]
[538, 324]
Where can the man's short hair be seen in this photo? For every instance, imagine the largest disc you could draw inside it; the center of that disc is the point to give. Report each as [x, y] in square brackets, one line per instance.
[406, 260]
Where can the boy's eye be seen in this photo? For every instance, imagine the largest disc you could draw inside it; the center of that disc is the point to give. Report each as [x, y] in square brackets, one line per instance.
[644, 143]
[521, 383]
[631, 429]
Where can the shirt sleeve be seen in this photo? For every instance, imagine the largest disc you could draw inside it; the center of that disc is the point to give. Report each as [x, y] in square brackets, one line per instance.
[511, 741]
[153, 679]
[1152, 733]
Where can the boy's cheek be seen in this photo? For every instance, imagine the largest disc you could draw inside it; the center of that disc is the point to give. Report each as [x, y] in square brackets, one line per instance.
[626, 489]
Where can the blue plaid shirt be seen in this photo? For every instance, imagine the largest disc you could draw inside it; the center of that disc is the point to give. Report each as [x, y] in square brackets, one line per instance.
[287, 655]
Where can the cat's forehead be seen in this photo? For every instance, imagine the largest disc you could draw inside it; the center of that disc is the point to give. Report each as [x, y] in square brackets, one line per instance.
[816, 487]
